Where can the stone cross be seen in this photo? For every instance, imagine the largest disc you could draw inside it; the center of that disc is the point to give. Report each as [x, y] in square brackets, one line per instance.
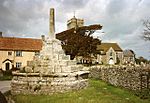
[52, 23]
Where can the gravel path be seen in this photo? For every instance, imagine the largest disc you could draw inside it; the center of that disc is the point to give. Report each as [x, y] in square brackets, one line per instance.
[4, 86]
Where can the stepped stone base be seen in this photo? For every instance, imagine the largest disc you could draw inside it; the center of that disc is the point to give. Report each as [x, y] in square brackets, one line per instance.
[36, 83]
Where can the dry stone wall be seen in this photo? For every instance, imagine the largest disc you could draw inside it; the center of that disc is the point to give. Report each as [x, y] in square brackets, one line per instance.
[133, 78]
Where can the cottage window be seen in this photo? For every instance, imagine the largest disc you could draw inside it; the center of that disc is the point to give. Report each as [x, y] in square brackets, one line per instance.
[18, 53]
[9, 53]
[37, 53]
[18, 64]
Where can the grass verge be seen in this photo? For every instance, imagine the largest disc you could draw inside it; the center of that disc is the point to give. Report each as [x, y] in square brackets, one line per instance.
[97, 92]
[6, 77]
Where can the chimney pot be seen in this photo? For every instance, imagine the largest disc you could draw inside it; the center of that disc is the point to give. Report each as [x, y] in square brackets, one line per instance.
[43, 37]
[1, 34]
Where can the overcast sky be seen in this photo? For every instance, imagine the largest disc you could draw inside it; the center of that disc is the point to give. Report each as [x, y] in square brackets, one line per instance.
[121, 19]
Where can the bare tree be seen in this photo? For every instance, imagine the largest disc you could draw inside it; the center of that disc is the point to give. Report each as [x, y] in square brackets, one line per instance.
[146, 32]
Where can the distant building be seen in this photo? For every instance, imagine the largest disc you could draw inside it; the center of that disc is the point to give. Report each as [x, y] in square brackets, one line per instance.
[15, 52]
[86, 60]
[74, 22]
[110, 53]
[129, 56]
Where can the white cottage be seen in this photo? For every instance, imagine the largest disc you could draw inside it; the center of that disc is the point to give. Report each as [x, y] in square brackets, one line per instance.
[15, 52]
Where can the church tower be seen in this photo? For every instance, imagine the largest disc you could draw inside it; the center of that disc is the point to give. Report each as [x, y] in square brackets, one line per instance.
[74, 23]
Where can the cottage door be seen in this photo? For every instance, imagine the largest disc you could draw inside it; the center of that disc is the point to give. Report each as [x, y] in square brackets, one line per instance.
[111, 62]
[7, 66]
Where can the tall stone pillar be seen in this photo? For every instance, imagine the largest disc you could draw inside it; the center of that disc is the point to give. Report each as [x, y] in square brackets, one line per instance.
[52, 23]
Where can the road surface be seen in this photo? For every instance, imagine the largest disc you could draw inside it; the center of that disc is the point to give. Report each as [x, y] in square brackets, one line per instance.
[4, 86]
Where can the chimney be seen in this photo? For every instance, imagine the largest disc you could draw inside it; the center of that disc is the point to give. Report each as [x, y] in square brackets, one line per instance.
[1, 34]
[43, 37]
[52, 22]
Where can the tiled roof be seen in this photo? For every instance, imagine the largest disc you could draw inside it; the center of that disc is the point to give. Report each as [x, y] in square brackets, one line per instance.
[24, 44]
[105, 47]
[128, 53]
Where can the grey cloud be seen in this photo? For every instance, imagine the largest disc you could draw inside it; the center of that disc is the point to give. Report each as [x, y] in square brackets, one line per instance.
[70, 5]
[127, 21]
[16, 15]
[115, 6]
[121, 19]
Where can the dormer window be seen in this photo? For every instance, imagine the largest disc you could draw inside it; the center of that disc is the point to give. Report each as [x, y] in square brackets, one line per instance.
[18, 53]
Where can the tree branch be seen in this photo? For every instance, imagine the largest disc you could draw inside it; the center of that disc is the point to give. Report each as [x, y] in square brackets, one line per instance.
[146, 32]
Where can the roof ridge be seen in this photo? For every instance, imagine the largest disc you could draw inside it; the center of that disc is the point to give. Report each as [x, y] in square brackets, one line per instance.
[20, 38]
[109, 43]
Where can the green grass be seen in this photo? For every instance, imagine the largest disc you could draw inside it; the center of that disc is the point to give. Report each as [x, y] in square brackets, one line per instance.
[97, 92]
[6, 77]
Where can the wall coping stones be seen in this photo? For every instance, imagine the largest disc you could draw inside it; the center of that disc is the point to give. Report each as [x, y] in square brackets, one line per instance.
[50, 75]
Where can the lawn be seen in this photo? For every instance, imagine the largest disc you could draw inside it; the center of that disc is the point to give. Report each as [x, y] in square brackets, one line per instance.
[97, 92]
[6, 77]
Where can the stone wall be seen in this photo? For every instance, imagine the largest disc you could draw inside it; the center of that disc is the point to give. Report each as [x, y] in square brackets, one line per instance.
[36, 83]
[133, 78]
